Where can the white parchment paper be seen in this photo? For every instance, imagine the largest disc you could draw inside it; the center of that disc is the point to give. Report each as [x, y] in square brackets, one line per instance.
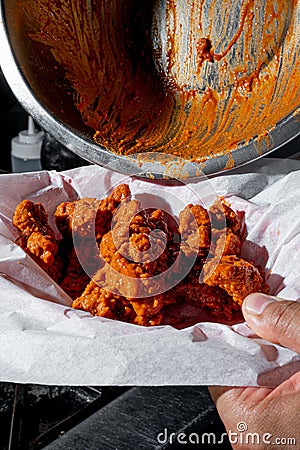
[43, 340]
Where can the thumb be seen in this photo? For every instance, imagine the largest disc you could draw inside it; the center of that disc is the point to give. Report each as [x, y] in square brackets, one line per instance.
[274, 319]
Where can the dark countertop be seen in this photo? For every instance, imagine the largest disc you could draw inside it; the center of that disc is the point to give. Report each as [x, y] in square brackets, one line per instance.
[108, 418]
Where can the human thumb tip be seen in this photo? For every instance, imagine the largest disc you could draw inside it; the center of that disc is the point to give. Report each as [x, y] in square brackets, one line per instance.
[255, 304]
[274, 319]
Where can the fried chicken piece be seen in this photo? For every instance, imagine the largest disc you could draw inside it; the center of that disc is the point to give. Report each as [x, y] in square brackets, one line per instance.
[88, 255]
[89, 217]
[194, 226]
[149, 307]
[199, 213]
[201, 295]
[197, 243]
[222, 216]
[42, 248]
[81, 263]
[236, 276]
[136, 279]
[149, 321]
[135, 251]
[168, 224]
[30, 217]
[100, 302]
[97, 301]
[125, 310]
[75, 279]
[36, 237]
[107, 247]
[56, 270]
[149, 310]
[118, 195]
[76, 217]
[225, 242]
[107, 209]
[64, 211]
[125, 222]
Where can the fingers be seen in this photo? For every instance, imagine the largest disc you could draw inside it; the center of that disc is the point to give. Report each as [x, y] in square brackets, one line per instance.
[227, 400]
[274, 319]
[262, 412]
[225, 396]
[289, 387]
[236, 404]
[217, 391]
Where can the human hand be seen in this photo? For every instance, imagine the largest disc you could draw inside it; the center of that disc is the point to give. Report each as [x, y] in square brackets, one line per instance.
[271, 413]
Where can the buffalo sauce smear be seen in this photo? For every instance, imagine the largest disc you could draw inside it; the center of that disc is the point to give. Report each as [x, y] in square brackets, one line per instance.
[193, 79]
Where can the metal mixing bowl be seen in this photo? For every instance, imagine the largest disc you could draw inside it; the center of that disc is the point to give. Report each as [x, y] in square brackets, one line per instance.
[209, 81]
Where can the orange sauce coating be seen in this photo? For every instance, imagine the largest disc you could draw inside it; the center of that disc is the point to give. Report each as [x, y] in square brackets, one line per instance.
[192, 79]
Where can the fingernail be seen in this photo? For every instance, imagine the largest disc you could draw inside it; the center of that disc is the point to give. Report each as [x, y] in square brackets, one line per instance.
[257, 303]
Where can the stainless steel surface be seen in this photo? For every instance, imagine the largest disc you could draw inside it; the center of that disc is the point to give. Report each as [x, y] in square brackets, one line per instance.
[41, 86]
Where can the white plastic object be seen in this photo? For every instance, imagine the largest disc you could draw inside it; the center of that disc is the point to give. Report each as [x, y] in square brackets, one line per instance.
[26, 149]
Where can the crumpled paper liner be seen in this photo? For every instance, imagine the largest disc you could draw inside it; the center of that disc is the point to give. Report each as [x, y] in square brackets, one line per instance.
[43, 340]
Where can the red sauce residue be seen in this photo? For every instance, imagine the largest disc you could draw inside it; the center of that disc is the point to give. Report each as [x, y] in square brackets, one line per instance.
[193, 79]
[204, 51]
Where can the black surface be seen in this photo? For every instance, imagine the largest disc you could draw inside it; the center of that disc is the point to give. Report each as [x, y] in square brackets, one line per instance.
[35, 417]
[13, 119]
[31, 416]
[148, 418]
